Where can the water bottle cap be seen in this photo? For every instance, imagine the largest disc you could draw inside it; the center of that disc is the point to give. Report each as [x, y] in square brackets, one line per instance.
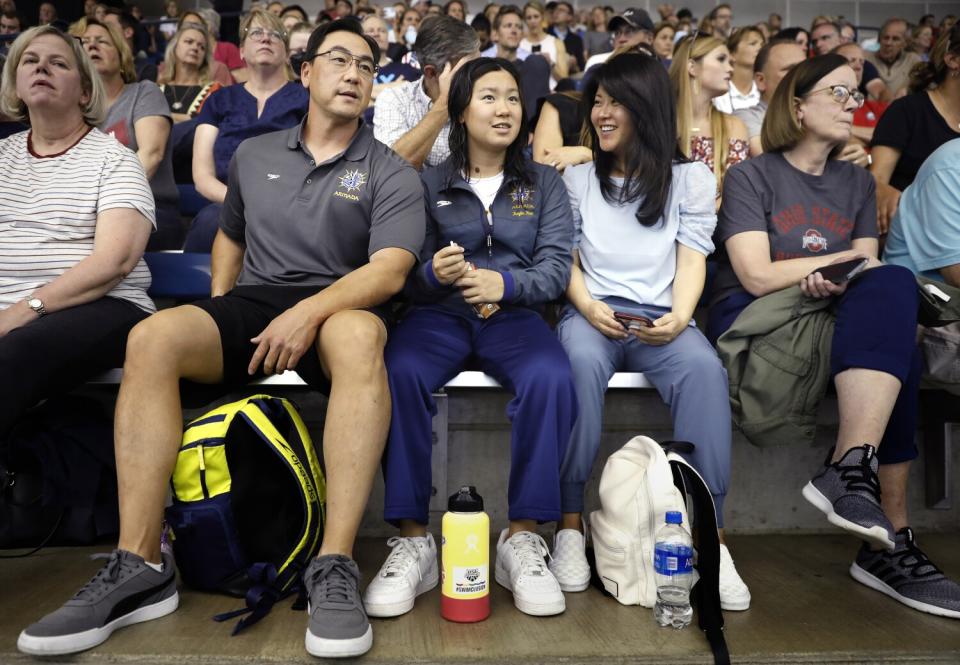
[466, 500]
[674, 517]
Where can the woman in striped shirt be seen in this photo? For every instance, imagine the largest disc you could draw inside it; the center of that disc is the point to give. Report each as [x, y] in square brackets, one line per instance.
[75, 215]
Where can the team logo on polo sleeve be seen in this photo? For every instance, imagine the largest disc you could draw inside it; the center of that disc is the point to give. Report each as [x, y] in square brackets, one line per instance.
[814, 241]
[522, 198]
[351, 181]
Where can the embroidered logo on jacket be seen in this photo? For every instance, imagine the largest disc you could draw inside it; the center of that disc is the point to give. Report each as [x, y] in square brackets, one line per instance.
[522, 198]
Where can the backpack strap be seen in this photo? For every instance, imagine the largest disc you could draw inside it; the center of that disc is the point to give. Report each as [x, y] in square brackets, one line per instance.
[707, 591]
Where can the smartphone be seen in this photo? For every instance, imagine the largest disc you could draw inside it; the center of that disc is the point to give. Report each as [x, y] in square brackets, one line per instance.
[389, 13]
[838, 273]
[632, 321]
[535, 48]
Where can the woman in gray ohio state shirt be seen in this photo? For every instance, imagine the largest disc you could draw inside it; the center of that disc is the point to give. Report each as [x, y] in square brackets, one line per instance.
[785, 215]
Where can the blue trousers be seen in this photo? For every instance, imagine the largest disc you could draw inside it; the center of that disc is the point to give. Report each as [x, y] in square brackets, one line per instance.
[516, 347]
[689, 377]
[876, 329]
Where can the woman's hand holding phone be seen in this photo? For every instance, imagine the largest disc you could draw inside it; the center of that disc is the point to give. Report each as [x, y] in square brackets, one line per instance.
[601, 316]
[663, 331]
[825, 283]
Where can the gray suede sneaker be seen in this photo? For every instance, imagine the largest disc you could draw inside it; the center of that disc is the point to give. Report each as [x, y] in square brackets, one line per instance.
[907, 575]
[338, 626]
[848, 492]
[125, 591]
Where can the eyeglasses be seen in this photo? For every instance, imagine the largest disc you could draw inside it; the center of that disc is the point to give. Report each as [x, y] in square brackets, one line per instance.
[257, 34]
[340, 60]
[841, 94]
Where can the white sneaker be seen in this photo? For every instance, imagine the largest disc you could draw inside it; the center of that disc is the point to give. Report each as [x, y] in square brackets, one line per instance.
[734, 594]
[410, 570]
[568, 563]
[521, 568]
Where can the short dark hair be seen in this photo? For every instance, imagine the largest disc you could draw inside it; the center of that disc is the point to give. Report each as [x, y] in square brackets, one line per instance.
[764, 54]
[126, 18]
[295, 8]
[480, 22]
[340, 25]
[506, 10]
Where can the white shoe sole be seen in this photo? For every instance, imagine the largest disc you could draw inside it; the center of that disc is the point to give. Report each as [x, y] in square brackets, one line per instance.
[876, 535]
[395, 609]
[65, 644]
[323, 647]
[527, 607]
[865, 578]
[731, 606]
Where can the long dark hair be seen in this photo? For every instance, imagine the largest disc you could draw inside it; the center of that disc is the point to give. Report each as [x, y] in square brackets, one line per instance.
[461, 90]
[641, 85]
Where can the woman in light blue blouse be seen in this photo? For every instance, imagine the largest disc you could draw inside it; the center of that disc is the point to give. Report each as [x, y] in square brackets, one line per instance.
[644, 218]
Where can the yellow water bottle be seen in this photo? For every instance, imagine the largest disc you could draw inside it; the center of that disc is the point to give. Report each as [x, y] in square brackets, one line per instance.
[465, 595]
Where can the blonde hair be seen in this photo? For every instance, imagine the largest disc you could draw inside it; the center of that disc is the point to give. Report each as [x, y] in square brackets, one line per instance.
[11, 105]
[538, 7]
[170, 62]
[265, 19]
[127, 71]
[694, 48]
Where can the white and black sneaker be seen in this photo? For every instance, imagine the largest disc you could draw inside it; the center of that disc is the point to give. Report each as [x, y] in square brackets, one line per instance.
[410, 570]
[908, 576]
[125, 591]
[848, 493]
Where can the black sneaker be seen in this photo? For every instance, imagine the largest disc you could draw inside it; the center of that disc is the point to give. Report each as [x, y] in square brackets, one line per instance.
[848, 492]
[907, 575]
[338, 626]
[125, 591]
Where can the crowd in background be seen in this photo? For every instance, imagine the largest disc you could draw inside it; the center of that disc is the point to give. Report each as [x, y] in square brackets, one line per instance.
[616, 155]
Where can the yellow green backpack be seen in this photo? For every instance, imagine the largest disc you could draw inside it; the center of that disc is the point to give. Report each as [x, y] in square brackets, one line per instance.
[248, 503]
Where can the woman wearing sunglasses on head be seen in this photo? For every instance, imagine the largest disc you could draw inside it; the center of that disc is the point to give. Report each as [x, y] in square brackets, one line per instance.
[644, 214]
[785, 216]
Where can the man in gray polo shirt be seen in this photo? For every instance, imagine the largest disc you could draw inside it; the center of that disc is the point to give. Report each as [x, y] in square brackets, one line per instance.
[320, 226]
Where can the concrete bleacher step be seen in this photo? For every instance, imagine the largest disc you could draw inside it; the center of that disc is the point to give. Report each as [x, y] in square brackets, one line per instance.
[806, 609]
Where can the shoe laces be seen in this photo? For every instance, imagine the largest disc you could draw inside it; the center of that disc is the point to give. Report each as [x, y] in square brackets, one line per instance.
[916, 561]
[405, 553]
[334, 582]
[105, 578]
[861, 477]
[530, 549]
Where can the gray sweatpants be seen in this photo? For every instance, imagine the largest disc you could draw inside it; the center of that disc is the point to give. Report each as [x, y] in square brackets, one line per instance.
[689, 377]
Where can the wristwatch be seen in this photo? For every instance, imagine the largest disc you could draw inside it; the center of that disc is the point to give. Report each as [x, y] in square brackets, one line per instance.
[37, 306]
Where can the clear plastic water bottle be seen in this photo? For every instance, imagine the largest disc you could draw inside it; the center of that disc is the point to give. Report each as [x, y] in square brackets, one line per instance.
[673, 565]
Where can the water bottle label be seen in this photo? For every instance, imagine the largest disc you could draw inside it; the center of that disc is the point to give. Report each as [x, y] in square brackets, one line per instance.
[672, 559]
[469, 580]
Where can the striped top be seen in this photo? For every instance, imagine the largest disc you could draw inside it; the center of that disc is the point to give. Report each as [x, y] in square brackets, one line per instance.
[49, 207]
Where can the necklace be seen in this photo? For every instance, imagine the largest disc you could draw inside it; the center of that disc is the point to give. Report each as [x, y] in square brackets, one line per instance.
[178, 100]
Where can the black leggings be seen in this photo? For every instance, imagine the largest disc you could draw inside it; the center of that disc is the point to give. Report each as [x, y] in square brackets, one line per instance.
[60, 351]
